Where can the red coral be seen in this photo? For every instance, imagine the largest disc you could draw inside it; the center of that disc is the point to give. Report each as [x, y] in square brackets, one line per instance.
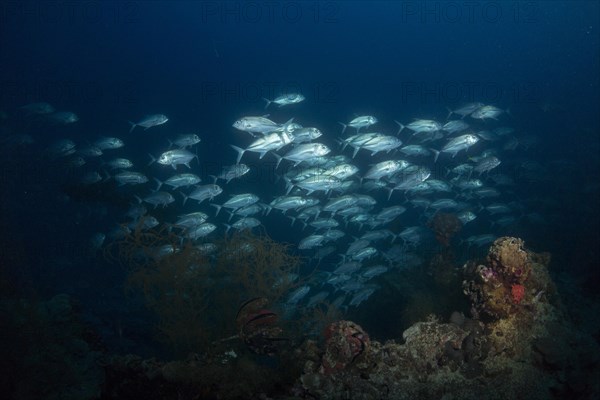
[345, 341]
[518, 292]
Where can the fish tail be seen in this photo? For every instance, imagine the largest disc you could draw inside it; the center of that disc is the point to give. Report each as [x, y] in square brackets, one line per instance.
[218, 207]
[184, 197]
[158, 182]
[133, 125]
[279, 158]
[401, 127]
[240, 152]
[268, 102]
[152, 159]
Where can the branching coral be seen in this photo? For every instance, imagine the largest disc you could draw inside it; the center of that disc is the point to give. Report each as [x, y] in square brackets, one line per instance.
[259, 265]
[196, 295]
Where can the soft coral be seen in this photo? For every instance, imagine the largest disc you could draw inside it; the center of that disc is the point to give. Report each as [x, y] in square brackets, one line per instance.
[518, 292]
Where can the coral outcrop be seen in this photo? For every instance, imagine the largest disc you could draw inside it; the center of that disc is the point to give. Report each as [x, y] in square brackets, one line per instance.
[518, 342]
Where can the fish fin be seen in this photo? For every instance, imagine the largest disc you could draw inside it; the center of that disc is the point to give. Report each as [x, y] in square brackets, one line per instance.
[215, 178]
[437, 154]
[355, 151]
[401, 127]
[228, 228]
[218, 207]
[187, 165]
[450, 112]
[279, 158]
[170, 143]
[344, 126]
[240, 152]
[262, 154]
[132, 126]
[268, 102]
[184, 197]
[152, 159]
[158, 182]
[138, 199]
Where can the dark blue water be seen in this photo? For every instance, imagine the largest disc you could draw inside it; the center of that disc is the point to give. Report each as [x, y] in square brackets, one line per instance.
[206, 64]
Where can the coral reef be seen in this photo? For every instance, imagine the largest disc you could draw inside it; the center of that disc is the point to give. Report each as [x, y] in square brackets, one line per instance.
[511, 280]
[345, 341]
[518, 343]
[524, 348]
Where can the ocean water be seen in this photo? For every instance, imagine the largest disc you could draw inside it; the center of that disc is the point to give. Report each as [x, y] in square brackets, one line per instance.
[207, 64]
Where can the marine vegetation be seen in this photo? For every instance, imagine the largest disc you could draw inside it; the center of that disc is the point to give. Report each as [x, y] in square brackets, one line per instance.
[516, 343]
[195, 289]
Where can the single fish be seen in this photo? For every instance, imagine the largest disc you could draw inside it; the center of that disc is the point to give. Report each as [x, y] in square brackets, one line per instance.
[286, 99]
[149, 121]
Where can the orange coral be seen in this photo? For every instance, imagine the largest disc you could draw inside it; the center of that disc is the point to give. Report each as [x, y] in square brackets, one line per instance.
[518, 292]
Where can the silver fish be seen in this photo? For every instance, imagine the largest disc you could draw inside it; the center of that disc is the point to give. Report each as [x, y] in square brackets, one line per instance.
[119, 163]
[488, 112]
[385, 169]
[286, 99]
[158, 199]
[203, 192]
[175, 158]
[179, 180]
[270, 142]
[298, 294]
[109, 143]
[306, 135]
[184, 141]
[486, 164]
[360, 122]
[261, 125]
[131, 178]
[465, 110]
[238, 201]
[421, 125]
[232, 172]
[457, 144]
[149, 121]
[304, 152]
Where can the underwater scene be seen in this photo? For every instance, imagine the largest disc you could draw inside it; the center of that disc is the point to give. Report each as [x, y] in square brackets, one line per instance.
[300, 200]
